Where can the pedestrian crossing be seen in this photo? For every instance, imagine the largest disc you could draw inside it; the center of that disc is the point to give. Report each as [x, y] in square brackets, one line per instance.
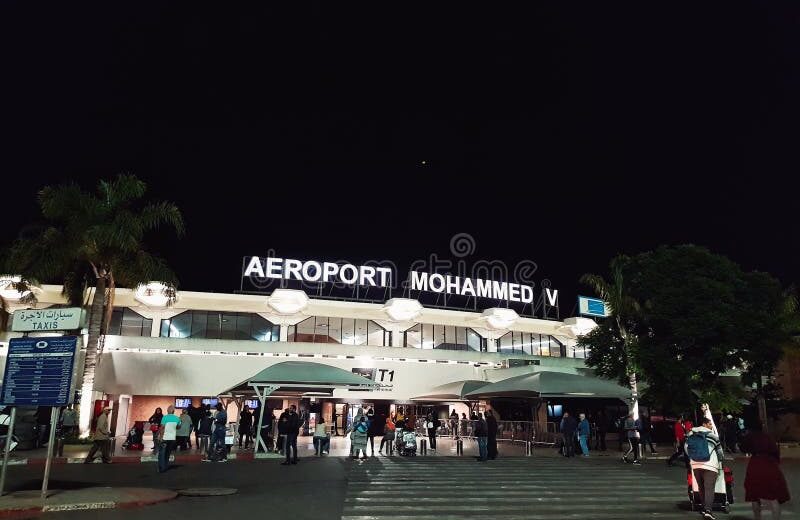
[423, 488]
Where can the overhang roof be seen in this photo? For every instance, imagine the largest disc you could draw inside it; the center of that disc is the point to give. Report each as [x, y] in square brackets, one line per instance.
[552, 384]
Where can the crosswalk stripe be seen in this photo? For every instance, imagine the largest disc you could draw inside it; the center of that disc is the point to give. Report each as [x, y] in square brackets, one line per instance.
[511, 489]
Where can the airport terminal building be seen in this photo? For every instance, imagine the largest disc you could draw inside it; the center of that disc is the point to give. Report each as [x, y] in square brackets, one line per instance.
[159, 352]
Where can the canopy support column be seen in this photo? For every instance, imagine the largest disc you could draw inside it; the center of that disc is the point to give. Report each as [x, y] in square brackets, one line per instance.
[262, 392]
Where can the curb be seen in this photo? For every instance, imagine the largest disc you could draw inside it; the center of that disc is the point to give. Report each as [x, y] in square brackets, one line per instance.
[27, 512]
[125, 459]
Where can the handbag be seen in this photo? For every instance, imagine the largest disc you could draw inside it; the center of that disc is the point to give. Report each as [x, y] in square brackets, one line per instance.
[153, 428]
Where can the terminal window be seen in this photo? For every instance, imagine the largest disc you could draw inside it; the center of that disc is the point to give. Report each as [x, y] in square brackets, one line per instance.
[220, 325]
[344, 331]
[443, 337]
[127, 322]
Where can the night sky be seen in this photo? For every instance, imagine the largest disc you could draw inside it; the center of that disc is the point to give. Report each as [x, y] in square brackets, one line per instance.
[562, 135]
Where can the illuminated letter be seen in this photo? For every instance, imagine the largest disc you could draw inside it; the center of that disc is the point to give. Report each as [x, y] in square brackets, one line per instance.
[419, 281]
[291, 268]
[254, 267]
[317, 271]
[344, 277]
[329, 270]
[513, 292]
[500, 290]
[467, 289]
[386, 278]
[367, 273]
[437, 279]
[453, 284]
[552, 297]
[274, 267]
[484, 288]
[527, 294]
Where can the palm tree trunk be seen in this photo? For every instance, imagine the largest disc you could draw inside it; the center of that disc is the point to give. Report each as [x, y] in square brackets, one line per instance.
[90, 361]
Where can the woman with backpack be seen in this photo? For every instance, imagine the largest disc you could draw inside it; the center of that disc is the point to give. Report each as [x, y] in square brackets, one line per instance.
[704, 450]
[388, 436]
[358, 437]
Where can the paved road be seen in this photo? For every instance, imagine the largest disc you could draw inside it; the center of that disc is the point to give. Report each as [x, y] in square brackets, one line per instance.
[420, 488]
[511, 489]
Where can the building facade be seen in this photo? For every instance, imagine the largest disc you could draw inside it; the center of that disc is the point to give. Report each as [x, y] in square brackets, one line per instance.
[204, 343]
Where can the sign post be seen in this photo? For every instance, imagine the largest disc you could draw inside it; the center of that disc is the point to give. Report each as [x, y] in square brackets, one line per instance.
[39, 373]
[7, 450]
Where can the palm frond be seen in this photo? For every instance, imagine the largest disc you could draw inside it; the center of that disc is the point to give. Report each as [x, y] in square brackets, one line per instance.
[154, 215]
[61, 203]
[143, 268]
[124, 188]
[597, 283]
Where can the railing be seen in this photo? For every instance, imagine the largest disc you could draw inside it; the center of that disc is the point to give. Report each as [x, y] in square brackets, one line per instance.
[513, 431]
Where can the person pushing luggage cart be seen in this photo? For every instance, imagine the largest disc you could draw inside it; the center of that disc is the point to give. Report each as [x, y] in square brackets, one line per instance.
[706, 474]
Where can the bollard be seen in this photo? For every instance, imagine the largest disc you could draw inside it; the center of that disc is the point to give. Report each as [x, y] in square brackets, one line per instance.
[423, 447]
[459, 446]
[528, 448]
[60, 447]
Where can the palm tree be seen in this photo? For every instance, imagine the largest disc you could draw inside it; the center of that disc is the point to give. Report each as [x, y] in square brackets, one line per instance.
[25, 296]
[624, 310]
[92, 242]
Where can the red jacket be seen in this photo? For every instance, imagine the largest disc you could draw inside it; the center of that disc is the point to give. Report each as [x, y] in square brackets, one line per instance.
[681, 429]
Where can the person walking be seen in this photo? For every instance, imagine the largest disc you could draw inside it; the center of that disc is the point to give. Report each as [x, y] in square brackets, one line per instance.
[102, 438]
[632, 429]
[334, 421]
[196, 413]
[454, 424]
[482, 435]
[647, 434]
[730, 433]
[321, 440]
[601, 431]
[69, 422]
[166, 438]
[358, 437]
[583, 434]
[704, 450]
[217, 451]
[389, 430]
[204, 431]
[155, 424]
[568, 427]
[764, 482]
[491, 435]
[681, 428]
[184, 431]
[374, 427]
[431, 425]
[245, 427]
[292, 427]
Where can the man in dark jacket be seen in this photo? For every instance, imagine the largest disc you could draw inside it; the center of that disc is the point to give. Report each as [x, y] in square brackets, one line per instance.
[195, 414]
[491, 438]
[568, 427]
[292, 427]
[481, 434]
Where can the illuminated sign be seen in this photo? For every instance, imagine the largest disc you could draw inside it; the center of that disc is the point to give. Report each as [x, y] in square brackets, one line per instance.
[35, 320]
[312, 271]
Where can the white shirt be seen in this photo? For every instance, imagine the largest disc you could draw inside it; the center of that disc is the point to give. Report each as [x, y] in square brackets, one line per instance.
[170, 423]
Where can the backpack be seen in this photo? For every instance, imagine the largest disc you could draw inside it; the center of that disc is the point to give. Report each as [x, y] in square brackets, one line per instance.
[697, 447]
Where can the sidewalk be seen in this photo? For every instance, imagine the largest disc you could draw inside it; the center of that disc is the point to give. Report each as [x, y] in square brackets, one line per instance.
[340, 447]
[24, 504]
